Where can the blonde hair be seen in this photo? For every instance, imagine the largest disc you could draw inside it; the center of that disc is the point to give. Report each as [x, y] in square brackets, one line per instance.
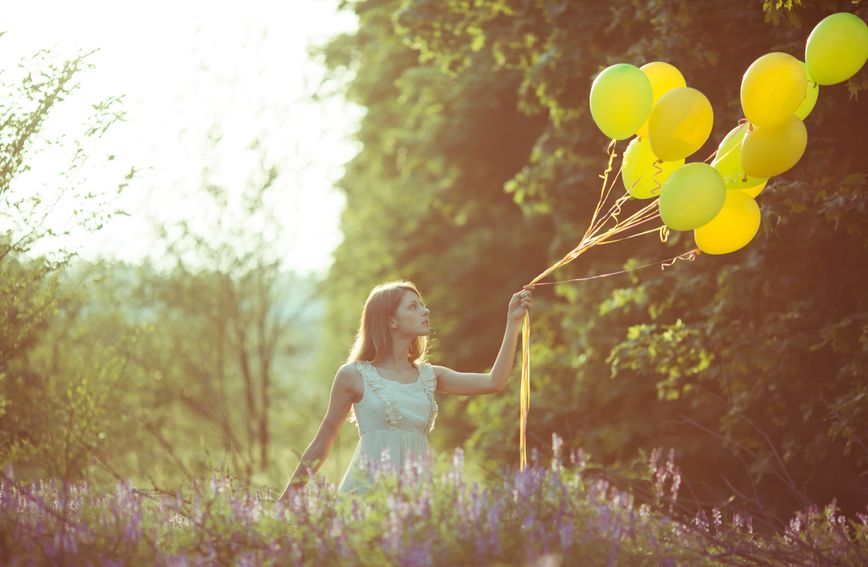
[373, 339]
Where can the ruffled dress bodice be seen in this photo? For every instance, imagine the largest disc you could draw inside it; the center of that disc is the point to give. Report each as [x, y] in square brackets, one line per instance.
[393, 420]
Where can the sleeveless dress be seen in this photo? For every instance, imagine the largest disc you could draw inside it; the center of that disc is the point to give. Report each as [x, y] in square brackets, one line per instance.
[393, 420]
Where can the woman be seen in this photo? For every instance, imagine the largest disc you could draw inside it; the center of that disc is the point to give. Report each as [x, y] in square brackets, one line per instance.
[389, 387]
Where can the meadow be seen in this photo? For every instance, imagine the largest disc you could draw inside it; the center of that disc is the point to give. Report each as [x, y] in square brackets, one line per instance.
[562, 512]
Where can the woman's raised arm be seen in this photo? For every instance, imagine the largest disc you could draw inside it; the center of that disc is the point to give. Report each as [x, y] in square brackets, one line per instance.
[477, 383]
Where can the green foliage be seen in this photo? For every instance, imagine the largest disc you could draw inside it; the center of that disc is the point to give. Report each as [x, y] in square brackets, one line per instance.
[31, 94]
[51, 419]
[111, 371]
[674, 353]
[479, 169]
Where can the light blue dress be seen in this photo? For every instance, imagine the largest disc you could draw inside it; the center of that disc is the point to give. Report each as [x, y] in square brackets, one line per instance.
[393, 420]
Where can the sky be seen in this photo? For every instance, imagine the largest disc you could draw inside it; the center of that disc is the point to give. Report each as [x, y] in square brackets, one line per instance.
[191, 72]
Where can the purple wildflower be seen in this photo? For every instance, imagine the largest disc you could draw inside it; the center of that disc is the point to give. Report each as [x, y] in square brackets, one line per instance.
[565, 532]
[605, 515]
[493, 525]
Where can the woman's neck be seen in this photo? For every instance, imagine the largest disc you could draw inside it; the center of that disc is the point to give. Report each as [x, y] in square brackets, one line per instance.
[395, 363]
[399, 359]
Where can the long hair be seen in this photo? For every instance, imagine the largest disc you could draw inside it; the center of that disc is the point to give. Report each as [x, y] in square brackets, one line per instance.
[373, 339]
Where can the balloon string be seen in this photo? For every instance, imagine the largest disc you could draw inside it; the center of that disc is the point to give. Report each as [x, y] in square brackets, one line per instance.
[735, 147]
[524, 395]
[726, 155]
[644, 215]
[732, 149]
[605, 188]
[594, 235]
[664, 234]
[658, 169]
[687, 256]
[644, 232]
[616, 208]
[612, 214]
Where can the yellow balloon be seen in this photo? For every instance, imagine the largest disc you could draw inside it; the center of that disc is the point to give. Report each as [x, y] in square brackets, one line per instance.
[727, 160]
[733, 228]
[640, 176]
[770, 151]
[810, 99]
[837, 48]
[620, 100]
[680, 123]
[772, 88]
[755, 190]
[664, 77]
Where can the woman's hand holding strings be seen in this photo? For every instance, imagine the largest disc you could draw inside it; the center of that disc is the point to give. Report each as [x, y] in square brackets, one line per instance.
[521, 303]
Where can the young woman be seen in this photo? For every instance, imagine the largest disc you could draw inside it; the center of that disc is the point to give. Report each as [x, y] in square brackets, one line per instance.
[388, 386]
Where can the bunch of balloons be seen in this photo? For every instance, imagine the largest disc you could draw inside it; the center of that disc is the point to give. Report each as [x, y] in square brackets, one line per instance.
[672, 121]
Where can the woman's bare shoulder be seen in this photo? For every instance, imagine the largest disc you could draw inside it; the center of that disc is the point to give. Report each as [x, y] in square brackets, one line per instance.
[349, 379]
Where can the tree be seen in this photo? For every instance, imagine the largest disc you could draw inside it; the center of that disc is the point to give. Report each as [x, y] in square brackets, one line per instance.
[228, 327]
[479, 151]
[29, 297]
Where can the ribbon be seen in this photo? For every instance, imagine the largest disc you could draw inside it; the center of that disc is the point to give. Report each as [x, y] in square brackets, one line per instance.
[594, 235]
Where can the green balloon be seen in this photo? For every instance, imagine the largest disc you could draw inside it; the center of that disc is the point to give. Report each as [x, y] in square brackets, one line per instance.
[692, 196]
[727, 160]
[621, 98]
[837, 48]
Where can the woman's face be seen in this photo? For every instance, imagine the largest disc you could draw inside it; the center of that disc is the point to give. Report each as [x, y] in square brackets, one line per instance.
[411, 316]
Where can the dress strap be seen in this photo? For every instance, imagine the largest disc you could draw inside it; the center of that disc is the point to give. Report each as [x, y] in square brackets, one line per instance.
[367, 371]
[394, 417]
